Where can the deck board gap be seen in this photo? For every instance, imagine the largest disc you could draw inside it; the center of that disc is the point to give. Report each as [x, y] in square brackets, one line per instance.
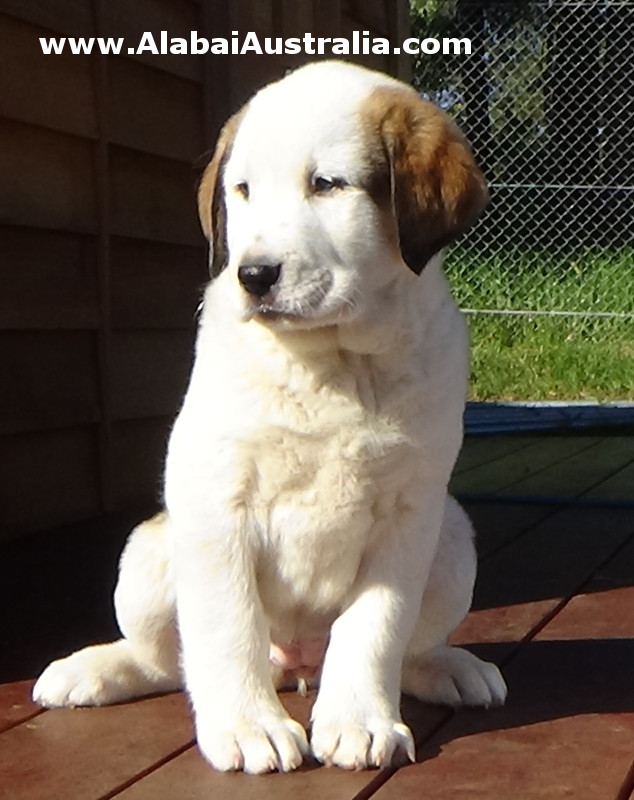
[564, 601]
[521, 446]
[626, 792]
[376, 783]
[506, 472]
[27, 718]
[540, 470]
[148, 771]
[520, 535]
[622, 469]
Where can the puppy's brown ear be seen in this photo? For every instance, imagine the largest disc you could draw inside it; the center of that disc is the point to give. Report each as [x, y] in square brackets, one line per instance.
[437, 189]
[211, 203]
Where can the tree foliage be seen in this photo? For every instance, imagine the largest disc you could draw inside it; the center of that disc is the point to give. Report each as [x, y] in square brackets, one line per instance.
[457, 18]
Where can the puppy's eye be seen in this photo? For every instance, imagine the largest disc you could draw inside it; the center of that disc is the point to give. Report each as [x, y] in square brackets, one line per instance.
[324, 184]
[242, 189]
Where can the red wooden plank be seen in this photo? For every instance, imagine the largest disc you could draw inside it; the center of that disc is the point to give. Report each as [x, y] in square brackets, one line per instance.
[84, 754]
[507, 624]
[479, 450]
[605, 607]
[568, 726]
[189, 771]
[583, 757]
[566, 731]
[509, 471]
[571, 702]
[119, 750]
[602, 615]
[498, 524]
[618, 486]
[580, 473]
[16, 705]
[522, 583]
[191, 774]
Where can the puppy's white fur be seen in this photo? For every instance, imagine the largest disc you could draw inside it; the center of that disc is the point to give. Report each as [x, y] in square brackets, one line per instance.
[306, 478]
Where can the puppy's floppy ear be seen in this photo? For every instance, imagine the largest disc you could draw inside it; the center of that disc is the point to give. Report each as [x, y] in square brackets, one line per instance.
[211, 203]
[437, 190]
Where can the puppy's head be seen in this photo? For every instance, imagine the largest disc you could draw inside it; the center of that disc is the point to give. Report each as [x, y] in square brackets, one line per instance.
[329, 186]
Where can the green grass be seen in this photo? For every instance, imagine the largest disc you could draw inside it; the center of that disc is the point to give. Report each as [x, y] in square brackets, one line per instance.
[548, 358]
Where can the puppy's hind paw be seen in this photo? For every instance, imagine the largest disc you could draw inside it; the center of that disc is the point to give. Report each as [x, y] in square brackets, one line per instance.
[62, 685]
[453, 676]
[97, 676]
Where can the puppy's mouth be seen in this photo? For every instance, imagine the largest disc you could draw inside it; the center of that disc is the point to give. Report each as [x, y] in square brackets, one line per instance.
[271, 312]
[291, 319]
[274, 310]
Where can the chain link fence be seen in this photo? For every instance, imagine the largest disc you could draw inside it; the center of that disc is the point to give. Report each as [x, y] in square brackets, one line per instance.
[547, 276]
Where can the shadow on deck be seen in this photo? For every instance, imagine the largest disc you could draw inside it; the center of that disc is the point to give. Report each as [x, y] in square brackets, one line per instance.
[554, 606]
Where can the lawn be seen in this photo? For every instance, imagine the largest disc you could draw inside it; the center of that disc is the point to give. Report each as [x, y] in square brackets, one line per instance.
[537, 357]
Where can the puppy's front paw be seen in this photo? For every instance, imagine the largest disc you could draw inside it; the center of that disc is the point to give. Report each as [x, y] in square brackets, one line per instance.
[255, 744]
[358, 744]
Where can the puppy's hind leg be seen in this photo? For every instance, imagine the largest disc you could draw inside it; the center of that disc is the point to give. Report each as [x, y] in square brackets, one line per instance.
[145, 660]
[432, 670]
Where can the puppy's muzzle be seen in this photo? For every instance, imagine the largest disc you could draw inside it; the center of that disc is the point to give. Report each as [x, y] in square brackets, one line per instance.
[258, 279]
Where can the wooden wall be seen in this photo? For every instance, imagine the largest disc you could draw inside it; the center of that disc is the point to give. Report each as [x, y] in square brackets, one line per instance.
[101, 258]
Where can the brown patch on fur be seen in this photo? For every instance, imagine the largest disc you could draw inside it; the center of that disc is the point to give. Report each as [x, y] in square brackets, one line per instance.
[211, 204]
[424, 170]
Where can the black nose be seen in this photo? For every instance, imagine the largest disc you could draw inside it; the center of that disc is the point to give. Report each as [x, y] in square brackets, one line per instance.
[257, 279]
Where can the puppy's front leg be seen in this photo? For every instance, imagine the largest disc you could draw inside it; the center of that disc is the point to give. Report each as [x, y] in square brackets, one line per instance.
[356, 718]
[240, 722]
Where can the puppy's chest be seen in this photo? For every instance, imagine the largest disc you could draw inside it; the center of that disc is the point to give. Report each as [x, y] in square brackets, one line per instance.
[330, 465]
[334, 445]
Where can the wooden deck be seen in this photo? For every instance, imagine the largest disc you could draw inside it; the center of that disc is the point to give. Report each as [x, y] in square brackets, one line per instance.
[554, 606]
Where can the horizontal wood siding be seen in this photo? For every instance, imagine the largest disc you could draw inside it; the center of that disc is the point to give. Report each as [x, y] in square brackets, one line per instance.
[139, 451]
[102, 263]
[154, 284]
[51, 380]
[49, 280]
[166, 123]
[49, 478]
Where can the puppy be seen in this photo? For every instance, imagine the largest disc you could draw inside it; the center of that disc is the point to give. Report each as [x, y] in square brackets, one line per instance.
[308, 531]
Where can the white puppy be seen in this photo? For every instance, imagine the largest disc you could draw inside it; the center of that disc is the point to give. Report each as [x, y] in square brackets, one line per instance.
[306, 480]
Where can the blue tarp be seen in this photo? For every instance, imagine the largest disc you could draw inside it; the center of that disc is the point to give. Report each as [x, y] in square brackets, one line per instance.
[556, 416]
